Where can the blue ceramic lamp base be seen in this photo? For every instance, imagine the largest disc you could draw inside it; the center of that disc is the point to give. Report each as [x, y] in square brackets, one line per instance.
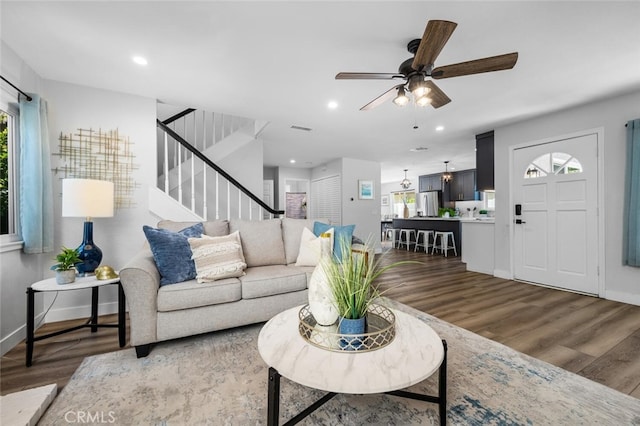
[88, 252]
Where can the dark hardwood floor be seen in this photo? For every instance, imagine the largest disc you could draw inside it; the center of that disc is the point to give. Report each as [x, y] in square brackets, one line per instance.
[595, 338]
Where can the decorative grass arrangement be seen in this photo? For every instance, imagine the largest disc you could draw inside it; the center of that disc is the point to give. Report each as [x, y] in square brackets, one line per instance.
[352, 279]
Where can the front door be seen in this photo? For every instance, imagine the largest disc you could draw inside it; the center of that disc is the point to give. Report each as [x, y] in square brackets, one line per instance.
[555, 192]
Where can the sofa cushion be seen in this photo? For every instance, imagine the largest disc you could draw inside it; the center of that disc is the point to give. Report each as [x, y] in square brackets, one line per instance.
[191, 294]
[261, 241]
[291, 234]
[217, 257]
[275, 279]
[213, 228]
[311, 248]
[341, 236]
[172, 253]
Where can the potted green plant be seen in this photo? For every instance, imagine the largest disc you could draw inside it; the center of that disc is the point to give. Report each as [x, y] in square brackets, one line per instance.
[352, 282]
[66, 267]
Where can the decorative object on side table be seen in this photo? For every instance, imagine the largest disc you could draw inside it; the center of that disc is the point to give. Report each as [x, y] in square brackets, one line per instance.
[105, 272]
[87, 198]
[66, 267]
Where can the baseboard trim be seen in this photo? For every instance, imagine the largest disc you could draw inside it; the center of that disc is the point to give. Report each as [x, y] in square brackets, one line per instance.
[501, 273]
[76, 312]
[14, 338]
[617, 296]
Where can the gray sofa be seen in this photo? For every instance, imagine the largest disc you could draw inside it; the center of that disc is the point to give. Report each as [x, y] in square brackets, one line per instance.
[271, 285]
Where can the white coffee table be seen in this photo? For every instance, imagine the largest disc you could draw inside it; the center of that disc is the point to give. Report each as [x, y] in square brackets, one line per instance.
[415, 354]
[91, 282]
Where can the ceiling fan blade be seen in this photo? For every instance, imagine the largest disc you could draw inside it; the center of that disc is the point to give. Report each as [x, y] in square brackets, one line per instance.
[382, 98]
[493, 63]
[435, 36]
[367, 76]
[438, 98]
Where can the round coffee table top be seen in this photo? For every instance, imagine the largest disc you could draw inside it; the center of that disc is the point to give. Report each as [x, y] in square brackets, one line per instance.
[414, 355]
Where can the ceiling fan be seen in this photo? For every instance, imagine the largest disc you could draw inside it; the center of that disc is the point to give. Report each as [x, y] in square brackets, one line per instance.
[416, 71]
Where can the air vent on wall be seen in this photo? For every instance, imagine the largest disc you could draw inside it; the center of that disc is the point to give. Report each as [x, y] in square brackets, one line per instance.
[306, 129]
[419, 149]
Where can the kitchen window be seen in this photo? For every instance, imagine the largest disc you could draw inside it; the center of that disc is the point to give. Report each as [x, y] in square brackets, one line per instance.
[400, 199]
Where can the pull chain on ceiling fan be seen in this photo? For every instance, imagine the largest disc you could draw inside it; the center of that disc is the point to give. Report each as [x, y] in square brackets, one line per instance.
[416, 71]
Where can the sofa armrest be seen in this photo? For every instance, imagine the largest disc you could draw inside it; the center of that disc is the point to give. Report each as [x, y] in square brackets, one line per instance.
[141, 280]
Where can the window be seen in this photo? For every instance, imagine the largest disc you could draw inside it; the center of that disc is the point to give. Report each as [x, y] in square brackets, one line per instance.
[557, 163]
[8, 162]
[400, 199]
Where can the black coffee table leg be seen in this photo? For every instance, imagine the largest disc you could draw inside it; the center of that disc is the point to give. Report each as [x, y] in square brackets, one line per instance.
[442, 387]
[273, 405]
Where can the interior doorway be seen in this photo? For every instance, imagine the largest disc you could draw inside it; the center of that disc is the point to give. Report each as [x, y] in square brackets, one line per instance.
[556, 227]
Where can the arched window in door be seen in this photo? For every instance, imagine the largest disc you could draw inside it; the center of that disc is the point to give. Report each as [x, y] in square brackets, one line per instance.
[556, 163]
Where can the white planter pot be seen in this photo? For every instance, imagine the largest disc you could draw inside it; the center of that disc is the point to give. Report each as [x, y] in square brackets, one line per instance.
[66, 277]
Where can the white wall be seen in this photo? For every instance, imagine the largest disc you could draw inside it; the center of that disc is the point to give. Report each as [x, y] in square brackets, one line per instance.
[120, 237]
[622, 283]
[365, 214]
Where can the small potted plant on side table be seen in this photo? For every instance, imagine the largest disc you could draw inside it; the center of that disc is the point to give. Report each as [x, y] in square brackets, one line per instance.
[66, 267]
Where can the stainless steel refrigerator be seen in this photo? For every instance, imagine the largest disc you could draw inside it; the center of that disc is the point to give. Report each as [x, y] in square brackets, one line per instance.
[430, 203]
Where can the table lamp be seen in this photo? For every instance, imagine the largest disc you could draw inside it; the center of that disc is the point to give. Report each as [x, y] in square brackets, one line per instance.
[87, 198]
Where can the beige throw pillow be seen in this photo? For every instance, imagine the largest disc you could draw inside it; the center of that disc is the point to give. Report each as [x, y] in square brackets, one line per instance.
[217, 257]
[310, 250]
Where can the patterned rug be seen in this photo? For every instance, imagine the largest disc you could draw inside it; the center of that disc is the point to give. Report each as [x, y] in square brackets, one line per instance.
[220, 379]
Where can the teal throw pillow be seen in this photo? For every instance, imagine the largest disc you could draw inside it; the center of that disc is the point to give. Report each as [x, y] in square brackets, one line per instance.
[341, 233]
[172, 252]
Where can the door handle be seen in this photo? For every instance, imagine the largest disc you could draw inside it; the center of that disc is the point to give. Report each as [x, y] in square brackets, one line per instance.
[520, 221]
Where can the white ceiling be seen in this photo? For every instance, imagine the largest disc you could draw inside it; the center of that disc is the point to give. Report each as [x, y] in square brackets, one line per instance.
[276, 61]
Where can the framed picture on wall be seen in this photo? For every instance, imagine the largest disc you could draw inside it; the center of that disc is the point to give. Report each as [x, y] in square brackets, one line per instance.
[365, 189]
[384, 200]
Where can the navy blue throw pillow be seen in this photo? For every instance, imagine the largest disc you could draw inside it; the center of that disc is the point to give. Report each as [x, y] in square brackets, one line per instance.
[172, 252]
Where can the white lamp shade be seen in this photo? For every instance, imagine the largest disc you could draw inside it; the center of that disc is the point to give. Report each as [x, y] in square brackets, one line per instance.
[87, 198]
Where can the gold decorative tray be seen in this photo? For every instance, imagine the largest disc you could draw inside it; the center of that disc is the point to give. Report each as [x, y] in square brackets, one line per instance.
[380, 330]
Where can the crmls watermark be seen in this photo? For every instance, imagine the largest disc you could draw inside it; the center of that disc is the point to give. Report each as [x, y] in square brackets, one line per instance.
[90, 417]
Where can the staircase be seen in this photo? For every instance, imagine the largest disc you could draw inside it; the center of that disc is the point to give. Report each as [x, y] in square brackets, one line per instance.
[191, 184]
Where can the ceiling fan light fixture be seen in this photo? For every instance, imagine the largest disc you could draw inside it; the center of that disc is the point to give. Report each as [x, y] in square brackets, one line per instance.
[423, 100]
[402, 99]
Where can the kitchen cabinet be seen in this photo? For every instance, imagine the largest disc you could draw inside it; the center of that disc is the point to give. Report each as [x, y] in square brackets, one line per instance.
[429, 183]
[484, 162]
[463, 186]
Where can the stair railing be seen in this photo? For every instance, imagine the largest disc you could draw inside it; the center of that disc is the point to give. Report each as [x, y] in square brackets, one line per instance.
[219, 173]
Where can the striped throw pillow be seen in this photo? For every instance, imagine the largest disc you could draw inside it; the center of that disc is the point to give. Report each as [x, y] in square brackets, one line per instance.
[217, 257]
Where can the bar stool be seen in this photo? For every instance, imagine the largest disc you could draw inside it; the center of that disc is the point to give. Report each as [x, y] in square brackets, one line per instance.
[444, 246]
[391, 234]
[428, 238]
[408, 233]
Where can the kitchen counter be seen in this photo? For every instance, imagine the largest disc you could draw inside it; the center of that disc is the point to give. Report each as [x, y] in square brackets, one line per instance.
[478, 245]
[445, 224]
[455, 219]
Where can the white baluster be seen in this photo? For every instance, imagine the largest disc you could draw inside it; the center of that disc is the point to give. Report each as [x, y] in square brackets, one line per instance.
[217, 195]
[166, 163]
[228, 200]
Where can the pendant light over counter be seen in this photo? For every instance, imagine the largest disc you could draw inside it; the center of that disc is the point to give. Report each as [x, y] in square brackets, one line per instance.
[406, 183]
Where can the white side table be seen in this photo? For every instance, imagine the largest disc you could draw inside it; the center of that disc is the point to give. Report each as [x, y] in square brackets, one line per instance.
[81, 283]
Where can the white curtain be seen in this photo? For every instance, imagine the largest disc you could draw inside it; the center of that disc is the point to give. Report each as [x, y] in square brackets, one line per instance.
[36, 192]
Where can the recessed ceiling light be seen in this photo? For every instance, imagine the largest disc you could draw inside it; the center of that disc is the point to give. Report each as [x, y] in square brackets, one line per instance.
[332, 105]
[140, 60]
[439, 128]
[292, 161]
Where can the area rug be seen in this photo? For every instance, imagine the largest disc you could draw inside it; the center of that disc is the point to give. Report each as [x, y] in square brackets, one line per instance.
[220, 379]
